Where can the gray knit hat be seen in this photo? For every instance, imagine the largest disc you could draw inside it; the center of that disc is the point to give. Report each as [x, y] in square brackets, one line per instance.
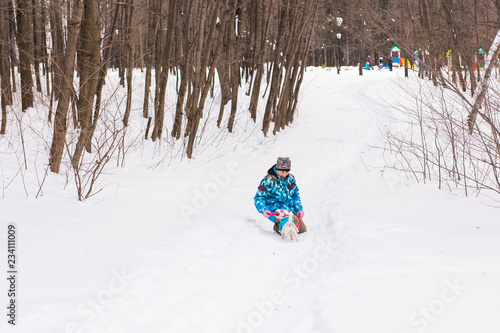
[283, 163]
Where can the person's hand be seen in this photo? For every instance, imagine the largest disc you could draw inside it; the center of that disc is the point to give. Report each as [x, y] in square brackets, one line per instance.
[266, 214]
[300, 214]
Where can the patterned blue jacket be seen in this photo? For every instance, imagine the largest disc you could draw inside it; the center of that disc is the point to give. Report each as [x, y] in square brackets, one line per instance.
[275, 193]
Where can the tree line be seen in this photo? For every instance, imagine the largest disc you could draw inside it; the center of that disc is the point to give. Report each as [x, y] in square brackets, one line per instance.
[453, 132]
[64, 49]
[261, 43]
[425, 30]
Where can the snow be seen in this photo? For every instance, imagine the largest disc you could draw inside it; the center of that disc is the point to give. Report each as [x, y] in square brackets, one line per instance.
[175, 245]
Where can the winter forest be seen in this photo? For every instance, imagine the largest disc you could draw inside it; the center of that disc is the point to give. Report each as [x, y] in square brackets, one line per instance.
[60, 53]
[135, 134]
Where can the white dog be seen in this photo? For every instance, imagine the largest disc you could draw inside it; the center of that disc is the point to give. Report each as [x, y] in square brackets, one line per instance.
[289, 231]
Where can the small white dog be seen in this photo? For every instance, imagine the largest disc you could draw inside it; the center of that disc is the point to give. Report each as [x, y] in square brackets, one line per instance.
[289, 231]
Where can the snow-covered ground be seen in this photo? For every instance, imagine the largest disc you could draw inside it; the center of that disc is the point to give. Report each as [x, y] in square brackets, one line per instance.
[180, 247]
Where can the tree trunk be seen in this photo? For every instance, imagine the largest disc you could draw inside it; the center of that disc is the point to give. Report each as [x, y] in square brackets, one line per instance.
[89, 63]
[492, 59]
[260, 43]
[276, 73]
[199, 72]
[25, 55]
[37, 43]
[293, 51]
[452, 28]
[10, 32]
[235, 72]
[208, 81]
[57, 47]
[160, 113]
[130, 62]
[5, 88]
[184, 47]
[60, 122]
[150, 39]
[104, 67]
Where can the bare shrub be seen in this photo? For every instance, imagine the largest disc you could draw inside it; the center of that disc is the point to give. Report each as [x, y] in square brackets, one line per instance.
[432, 141]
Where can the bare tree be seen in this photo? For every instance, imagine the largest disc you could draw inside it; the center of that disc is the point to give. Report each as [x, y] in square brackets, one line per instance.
[57, 50]
[60, 120]
[5, 87]
[23, 37]
[88, 64]
[152, 30]
[129, 60]
[202, 82]
[160, 112]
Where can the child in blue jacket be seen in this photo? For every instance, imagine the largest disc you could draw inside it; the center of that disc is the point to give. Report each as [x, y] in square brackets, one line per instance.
[278, 190]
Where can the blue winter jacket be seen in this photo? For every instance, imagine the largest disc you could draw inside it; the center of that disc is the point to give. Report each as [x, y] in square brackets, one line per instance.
[275, 193]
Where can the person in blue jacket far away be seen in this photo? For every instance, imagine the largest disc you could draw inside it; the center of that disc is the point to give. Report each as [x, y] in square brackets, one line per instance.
[278, 190]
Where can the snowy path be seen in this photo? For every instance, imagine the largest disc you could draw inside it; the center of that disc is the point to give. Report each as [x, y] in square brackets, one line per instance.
[183, 250]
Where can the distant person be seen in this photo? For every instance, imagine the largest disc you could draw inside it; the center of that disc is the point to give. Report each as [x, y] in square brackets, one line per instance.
[278, 190]
[390, 62]
[368, 65]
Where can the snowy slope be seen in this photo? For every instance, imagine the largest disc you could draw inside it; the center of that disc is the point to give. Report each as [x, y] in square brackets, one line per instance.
[180, 248]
